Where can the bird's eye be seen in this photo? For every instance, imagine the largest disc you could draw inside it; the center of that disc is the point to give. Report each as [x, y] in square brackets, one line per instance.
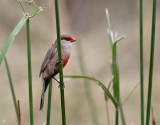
[67, 38]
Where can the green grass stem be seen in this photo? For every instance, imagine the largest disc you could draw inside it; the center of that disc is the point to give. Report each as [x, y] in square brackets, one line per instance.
[151, 62]
[29, 72]
[115, 73]
[12, 88]
[122, 113]
[141, 61]
[60, 65]
[117, 117]
[115, 69]
[116, 83]
[49, 102]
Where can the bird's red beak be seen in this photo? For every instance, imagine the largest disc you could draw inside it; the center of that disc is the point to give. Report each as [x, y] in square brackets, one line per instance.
[73, 39]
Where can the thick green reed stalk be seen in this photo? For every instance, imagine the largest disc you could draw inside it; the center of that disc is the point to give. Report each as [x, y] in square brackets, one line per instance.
[29, 72]
[49, 102]
[141, 61]
[60, 65]
[151, 62]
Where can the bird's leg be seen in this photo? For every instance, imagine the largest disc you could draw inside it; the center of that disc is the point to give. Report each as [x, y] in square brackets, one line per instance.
[56, 80]
[61, 87]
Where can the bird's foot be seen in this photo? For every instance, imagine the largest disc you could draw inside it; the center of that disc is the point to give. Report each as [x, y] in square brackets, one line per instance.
[60, 61]
[61, 86]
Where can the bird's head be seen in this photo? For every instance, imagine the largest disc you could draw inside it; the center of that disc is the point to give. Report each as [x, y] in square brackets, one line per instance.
[68, 38]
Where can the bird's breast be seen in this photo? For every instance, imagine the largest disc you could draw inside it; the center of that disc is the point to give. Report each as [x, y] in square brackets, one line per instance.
[66, 52]
[65, 55]
[65, 61]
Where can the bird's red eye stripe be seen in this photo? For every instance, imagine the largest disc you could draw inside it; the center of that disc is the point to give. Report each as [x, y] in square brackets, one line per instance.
[63, 38]
[71, 39]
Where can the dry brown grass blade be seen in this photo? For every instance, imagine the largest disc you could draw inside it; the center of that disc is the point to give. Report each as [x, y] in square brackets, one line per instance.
[19, 112]
[153, 117]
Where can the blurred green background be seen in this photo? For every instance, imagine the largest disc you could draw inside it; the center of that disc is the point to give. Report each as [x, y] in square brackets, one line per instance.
[86, 21]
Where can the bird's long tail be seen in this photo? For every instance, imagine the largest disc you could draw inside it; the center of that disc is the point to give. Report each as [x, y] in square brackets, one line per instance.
[45, 85]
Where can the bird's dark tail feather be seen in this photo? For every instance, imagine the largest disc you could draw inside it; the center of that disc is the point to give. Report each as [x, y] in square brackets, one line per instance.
[45, 85]
[42, 101]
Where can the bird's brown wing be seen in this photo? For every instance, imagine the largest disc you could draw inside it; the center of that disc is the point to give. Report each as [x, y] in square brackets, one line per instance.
[50, 54]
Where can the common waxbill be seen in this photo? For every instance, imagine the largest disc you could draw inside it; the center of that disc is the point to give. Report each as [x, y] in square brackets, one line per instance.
[50, 65]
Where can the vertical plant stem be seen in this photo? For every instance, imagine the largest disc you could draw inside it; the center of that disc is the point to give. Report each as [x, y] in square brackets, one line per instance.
[116, 77]
[49, 102]
[141, 61]
[11, 86]
[60, 65]
[29, 72]
[116, 116]
[121, 111]
[115, 69]
[116, 89]
[91, 101]
[151, 62]
[115, 73]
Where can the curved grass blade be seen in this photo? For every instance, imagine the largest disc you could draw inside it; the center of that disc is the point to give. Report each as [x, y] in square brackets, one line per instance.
[15, 32]
[36, 12]
[141, 61]
[106, 91]
[11, 37]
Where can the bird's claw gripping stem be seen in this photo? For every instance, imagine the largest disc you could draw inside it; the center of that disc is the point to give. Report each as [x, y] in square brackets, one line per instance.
[60, 61]
[61, 87]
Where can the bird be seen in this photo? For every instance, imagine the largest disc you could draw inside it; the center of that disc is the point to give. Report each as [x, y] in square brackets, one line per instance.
[50, 65]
